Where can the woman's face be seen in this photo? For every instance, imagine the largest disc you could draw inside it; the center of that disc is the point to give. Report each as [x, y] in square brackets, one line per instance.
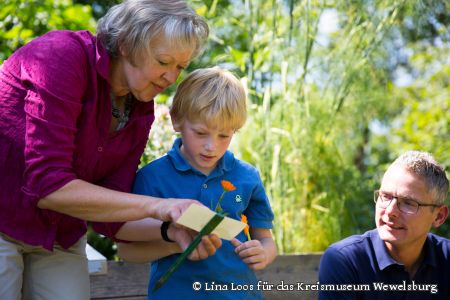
[151, 77]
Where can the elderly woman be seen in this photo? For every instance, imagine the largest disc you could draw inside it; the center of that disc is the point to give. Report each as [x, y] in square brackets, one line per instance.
[75, 114]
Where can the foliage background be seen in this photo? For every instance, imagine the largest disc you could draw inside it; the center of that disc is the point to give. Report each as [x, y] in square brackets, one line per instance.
[337, 90]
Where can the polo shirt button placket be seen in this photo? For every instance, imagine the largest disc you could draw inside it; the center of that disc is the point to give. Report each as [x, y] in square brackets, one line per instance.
[100, 149]
[205, 186]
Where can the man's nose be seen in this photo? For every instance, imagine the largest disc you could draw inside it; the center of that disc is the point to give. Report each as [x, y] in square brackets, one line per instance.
[392, 208]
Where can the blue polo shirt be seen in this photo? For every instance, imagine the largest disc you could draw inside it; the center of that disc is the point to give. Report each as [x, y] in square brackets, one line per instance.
[223, 275]
[361, 268]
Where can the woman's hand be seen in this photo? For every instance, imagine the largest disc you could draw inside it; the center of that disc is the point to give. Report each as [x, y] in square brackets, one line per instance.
[169, 209]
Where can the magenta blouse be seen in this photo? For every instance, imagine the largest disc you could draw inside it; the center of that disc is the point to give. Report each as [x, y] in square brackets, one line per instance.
[55, 115]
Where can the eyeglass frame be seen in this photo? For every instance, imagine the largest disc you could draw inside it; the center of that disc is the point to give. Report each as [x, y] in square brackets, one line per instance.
[376, 196]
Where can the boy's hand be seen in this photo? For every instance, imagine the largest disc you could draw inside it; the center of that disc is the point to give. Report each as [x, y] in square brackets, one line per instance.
[183, 237]
[252, 253]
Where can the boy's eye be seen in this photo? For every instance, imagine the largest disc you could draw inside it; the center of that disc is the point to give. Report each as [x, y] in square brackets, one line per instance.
[223, 136]
[162, 63]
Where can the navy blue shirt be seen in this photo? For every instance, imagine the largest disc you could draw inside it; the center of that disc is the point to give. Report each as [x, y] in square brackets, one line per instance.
[223, 275]
[361, 268]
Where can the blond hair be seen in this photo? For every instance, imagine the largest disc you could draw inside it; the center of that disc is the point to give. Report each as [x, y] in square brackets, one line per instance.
[131, 26]
[213, 96]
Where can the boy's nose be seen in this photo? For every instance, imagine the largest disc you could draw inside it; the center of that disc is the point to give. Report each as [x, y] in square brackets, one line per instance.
[210, 145]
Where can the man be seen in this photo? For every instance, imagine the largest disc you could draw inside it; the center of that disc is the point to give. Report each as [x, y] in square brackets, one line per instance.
[400, 259]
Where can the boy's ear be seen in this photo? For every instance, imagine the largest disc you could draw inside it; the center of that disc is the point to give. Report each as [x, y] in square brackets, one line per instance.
[175, 124]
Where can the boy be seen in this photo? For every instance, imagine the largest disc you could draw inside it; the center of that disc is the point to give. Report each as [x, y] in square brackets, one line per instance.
[208, 108]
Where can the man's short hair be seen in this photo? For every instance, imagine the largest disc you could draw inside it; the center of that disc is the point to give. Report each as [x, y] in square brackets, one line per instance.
[212, 96]
[424, 165]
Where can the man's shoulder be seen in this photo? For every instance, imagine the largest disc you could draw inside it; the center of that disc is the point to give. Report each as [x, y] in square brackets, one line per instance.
[440, 243]
[354, 244]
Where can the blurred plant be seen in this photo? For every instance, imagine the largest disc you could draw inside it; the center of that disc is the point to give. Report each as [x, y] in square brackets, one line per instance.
[161, 135]
[23, 20]
[336, 91]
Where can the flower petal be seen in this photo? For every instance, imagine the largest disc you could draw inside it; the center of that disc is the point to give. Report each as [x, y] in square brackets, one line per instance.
[227, 186]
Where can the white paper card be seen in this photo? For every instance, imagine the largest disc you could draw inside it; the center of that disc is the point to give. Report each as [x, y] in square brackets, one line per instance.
[196, 217]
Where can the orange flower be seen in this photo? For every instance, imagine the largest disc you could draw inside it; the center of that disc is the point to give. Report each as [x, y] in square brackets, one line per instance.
[247, 228]
[227, 186]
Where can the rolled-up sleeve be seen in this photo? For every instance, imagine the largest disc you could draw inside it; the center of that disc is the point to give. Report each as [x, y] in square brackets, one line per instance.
[52, 107]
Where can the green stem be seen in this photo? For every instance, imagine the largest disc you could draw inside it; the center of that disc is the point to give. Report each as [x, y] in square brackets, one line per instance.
[209, 227]
[218, 202]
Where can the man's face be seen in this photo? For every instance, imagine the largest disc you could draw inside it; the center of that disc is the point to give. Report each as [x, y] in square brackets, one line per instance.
[397, 229]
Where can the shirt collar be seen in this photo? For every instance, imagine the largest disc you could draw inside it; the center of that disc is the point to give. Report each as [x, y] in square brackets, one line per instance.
[102, 60]
[225, 164]
[384, 259]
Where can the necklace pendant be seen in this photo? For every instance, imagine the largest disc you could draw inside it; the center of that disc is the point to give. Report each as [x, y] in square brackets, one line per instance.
[122, 118]
[120, 125]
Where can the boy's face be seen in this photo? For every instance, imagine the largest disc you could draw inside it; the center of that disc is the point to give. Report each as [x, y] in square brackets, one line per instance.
[203, 146]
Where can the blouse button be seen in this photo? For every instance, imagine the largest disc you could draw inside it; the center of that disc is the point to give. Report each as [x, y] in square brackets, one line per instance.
[205, 186]
[100, 149]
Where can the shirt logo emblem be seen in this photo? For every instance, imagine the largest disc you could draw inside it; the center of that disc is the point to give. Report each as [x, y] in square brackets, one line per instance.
[238, 198]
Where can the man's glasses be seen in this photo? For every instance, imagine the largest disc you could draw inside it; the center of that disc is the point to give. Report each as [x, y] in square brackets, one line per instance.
[406, 205]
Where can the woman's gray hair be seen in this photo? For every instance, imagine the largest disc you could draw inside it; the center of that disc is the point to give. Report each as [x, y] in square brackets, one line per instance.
[424, 165]
[131, 26]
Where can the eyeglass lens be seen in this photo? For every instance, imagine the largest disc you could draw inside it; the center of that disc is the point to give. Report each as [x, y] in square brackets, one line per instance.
[405, 205]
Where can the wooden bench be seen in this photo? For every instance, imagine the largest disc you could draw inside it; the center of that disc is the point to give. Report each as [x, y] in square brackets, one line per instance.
[129, 281]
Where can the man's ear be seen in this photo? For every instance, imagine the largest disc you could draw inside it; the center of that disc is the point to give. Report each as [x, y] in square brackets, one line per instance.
[441, 216]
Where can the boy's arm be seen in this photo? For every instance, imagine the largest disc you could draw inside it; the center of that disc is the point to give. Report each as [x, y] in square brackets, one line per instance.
[144, 230]
[259, 252]
[143, 252]
[149, 245]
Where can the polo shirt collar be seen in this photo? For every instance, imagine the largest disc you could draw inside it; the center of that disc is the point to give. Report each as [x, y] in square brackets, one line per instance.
[226, 163]
[385, 260]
